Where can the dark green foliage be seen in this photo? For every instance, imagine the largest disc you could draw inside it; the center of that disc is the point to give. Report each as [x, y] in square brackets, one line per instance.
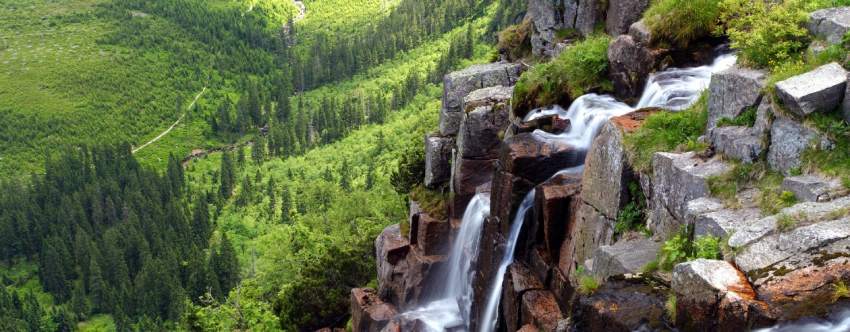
[746, 119]
[225, 266]
[228, 176]
[683, 247]
[410, 171]
[633, 214]
[515, 40]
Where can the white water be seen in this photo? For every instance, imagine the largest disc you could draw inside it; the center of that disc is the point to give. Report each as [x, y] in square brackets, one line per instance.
[839, 322]
[455, 301]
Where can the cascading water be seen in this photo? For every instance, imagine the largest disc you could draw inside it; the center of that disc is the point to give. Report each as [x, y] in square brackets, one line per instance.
[454, 303]
[839, 322]
[673, 89]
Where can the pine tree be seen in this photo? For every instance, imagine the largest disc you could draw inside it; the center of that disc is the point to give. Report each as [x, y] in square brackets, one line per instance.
[201, 228]
[227, 176]
[225, 265]
[258, 151]
[175, 174]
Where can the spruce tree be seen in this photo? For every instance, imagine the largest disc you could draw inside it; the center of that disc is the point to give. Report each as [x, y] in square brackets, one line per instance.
[228, 175]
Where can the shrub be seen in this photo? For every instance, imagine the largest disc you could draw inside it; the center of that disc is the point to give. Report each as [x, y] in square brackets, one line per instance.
[632, 215]
[515, 40]
[680, 248]
[766, 33]
[667, 131]
[581, 68]
[682, 21]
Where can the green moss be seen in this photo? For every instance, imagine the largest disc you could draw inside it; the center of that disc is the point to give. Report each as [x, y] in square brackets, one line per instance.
[747, 119]
[515, 40]
[431, 202]
[785, 223]
[650, 267]
[581, 68]
[667, 131]
[681, 22]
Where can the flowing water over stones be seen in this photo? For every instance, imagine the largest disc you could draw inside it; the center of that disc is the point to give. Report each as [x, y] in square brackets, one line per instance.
[839, 322]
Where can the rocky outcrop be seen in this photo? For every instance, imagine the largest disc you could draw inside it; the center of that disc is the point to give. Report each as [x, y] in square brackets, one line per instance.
[813, 188]
[458, 85]
[712, 295]
[391, 249]
[830, 24]
[546, 20]
[641, 33]
[732, 91]
[788, 140]
[589, 15]
[739, 142]
[621, 306]
[678, 179]
[630, 63]
[438, 153]
[518, 280]
[368, 312]
[428, 235]
[622, 13]
[820, 90]
[627, 256]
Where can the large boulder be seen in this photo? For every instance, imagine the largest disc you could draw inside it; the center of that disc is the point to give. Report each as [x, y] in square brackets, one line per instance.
[738, 142]
[391, 250]
[591, 230]
[788, 140]
[428, 235]
[678, 179]
[607, 173]
[814, 188]
[641, 33]
[622, 13]
[621, 306]
[480, 132]
[627, 256]
[458, 85]
[820, 90]
[630, 63]
[830, 24]
[535, 158]
[712, 295]
[368, 312]
[732, 91]
[546, 20]
[438, 153]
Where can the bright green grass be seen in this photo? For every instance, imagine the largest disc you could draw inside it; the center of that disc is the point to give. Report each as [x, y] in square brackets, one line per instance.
[98, 323]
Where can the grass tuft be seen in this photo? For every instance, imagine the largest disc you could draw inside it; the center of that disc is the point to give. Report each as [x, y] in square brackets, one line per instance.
[587, 283]
[681, 22]
[840, 291]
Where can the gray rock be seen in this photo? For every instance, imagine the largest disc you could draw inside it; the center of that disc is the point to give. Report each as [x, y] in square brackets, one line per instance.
[705, 280]
[590, 14]
[732, 91]
[774, 249]
[438, 154]
[701, 206]
[604, 182]
[788, 140]
[545, 20]
[629, 66]
[830, 24]
[845, 106]
[764, 117]
[820, 90]
[391, 250]
[479, 135]
[724, 222]
[812, 211]
[491, 96]
[678, 179]
[813, 188]
[640, 32]
[741, 143]
[624, 257]
[622, 13]
[458, 85]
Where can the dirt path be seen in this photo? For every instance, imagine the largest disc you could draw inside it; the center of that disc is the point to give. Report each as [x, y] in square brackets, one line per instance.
[161, 135]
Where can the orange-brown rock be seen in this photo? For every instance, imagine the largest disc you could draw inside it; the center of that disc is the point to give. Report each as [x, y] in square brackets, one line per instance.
[428, 235]
[540, 309]
[621, 305]
[556, 203]
[805, 292]
[518, 279]
[368, 312]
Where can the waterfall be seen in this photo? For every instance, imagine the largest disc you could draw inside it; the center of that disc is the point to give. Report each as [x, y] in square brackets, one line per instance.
[455, 300]
[673, 89]
[839, 322]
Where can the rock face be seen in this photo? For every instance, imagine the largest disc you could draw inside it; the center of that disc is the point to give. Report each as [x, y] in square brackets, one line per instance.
[480, 131]
[678, 179]
[640, 32]
[627, 256]
[788, 140]
[368, 312]
[438, 153]
[830, 24]
[819, 90]
[546, 20]
[630, 63]
[391, 250]
[732, 91]
[621, 306]
[622, 13]
[458, 85]
[589, 15]
[813, 188]
[740, 143]
[712, 295]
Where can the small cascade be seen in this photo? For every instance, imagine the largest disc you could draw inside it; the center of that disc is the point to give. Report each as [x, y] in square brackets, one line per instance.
[839, 322]
[676, 89]
[454, 302]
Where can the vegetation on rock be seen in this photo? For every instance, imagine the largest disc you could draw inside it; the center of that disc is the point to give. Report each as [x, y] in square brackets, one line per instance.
[680, 22]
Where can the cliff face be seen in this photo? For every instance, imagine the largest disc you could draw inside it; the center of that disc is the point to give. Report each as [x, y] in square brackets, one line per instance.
[572, 268]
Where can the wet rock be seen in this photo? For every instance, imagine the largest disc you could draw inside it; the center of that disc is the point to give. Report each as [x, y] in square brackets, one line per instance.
[629, 66]
[830, 24]
[592, 230]
[590, 14]
[438, 153]
[732, 91]
[418, 283]
[820, 90]
[563, 290]
[540, 309]
[621, 306]
[628, 256]
[556, 204]
[788, 140]
[368, 311]
[712, 295]
[622, 13]
[428, 235]
[813, 188]
[641, 33]
[518, 279]
[469, 174]
[480, 132]
[391, 250]
[536, 160]
[740, 143]
[678, 179]
[808, 291]
[458, 85]
[508, 192]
